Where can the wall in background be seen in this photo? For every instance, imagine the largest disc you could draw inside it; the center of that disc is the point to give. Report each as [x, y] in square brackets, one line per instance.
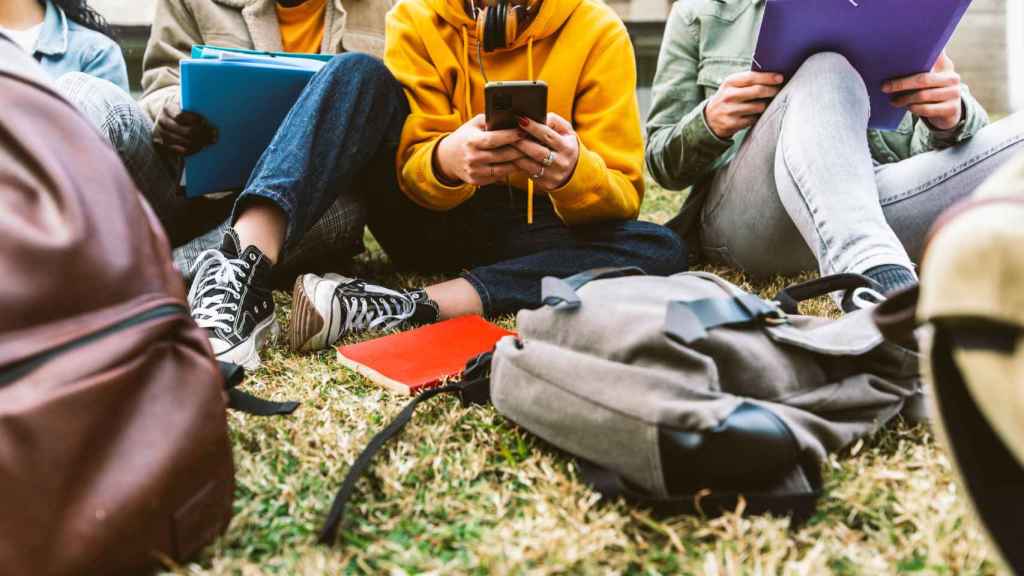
[979, 50]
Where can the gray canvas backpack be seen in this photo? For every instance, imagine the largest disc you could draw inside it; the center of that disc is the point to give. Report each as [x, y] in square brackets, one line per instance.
[668, 388]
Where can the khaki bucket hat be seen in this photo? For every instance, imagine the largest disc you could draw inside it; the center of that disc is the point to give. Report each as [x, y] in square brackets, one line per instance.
[972, 295]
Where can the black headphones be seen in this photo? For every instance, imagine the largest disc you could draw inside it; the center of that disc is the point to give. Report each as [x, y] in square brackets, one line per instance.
[497, 23]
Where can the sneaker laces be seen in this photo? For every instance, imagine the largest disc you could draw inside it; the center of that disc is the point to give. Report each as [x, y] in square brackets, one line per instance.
[370, 307]
[216, 290]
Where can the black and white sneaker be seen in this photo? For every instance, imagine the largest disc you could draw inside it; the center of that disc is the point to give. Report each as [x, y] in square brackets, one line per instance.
[231, 298]
[324, 309]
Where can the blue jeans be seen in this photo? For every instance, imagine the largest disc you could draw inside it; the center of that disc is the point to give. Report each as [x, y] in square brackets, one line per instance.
[348, 117]
[343, 132]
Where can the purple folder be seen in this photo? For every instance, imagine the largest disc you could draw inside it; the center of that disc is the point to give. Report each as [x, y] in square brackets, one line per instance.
[883, 39]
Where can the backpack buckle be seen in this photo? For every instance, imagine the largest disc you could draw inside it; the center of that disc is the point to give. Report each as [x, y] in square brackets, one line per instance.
[776, 317]
[762, 310]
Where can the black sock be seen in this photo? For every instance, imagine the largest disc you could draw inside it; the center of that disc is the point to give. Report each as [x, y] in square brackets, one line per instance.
[892, 277]
[427, 311]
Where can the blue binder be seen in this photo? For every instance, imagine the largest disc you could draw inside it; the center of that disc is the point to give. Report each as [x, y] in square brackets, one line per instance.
[245, 95]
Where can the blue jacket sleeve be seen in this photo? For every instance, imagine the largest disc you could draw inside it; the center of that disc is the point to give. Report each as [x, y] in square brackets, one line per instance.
[108, 63]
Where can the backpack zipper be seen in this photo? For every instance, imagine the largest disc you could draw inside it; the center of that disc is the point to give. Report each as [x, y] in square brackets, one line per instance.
[22, 367]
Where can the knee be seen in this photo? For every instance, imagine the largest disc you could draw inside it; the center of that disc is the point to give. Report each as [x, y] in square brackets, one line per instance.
[362, 69]
[89, 92]
[109, 108]
[832, 73]
[659, 251]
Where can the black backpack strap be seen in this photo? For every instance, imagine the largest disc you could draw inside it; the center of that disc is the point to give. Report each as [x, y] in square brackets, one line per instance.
[473, 389]
[562, 291]
[243, 401]
[790, 297]
[800, 506]
[896, 318]
[689, 322]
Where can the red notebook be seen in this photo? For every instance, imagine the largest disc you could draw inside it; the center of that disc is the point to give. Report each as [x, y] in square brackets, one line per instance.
[410, 361]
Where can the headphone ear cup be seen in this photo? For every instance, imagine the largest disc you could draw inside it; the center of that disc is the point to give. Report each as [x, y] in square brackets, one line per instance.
[498, 39]
[488, 36]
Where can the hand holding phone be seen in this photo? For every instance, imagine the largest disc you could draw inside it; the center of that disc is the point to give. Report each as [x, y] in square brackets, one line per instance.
[550, 153]
[474, 155]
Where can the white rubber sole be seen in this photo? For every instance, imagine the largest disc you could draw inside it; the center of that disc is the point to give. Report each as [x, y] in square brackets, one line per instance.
[247, 354]
[314, 313]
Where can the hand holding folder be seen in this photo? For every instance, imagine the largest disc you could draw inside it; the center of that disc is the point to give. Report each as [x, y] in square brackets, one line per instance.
[245, 95]
[882, 39]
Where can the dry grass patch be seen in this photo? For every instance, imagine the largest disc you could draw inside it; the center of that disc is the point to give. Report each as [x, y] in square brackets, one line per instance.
[465, 491]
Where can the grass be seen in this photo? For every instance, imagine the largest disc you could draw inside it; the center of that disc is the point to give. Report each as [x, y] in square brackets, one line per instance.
[465, 491]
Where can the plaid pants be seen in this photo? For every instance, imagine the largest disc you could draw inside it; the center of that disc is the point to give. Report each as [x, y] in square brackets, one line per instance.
[196, 225]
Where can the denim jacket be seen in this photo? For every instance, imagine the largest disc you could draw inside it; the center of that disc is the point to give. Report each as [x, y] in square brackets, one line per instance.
[706, 41]
[65, 46]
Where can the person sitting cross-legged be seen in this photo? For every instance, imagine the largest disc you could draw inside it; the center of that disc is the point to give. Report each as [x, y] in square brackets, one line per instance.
[236, 249]
[786, 176]
[459, 201]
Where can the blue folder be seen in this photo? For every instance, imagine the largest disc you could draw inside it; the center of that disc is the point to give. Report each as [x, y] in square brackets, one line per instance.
[882, 39]
[245, 95]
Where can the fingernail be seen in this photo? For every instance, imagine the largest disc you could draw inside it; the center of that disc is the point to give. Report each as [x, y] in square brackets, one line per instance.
[523, 121]
[779, 78]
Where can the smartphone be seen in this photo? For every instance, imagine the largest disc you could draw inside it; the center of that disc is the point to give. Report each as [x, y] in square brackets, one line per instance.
[505, 101]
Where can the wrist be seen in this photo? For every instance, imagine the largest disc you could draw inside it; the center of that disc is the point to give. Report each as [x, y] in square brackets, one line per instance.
[952, 125]
[720, 135]
[438, 162]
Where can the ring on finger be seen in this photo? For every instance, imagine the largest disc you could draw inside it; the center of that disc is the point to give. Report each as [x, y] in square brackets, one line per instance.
[539, 175]
[550, 159]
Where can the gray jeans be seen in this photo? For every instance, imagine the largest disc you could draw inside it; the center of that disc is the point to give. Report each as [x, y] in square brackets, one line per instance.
[803, 192]
[195, 225]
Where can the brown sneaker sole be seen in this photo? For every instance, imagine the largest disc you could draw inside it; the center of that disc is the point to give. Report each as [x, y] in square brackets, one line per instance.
[306, 322]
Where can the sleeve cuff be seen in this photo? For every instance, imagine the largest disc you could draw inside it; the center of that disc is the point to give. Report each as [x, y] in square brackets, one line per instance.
[588, 176]
[435, 179]
[708, 130]
[426, 189]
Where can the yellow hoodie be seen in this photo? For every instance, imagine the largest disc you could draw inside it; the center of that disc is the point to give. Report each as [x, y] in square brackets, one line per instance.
[583, 52]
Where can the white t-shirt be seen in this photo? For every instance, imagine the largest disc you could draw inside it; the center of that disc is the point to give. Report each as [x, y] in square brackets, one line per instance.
[26, 38]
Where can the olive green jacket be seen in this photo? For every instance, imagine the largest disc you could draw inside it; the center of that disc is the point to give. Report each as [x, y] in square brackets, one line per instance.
[706, 41]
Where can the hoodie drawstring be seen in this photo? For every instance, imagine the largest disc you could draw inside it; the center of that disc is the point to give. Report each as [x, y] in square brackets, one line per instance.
[529, 185]
[469, 104]
[465, 66]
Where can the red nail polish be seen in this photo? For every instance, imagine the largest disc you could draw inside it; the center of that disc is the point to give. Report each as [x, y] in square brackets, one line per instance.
[523, 122]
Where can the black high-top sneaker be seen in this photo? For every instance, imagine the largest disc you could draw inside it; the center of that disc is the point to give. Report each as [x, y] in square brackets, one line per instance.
[231, 298]
[427, 311]
[324, 309]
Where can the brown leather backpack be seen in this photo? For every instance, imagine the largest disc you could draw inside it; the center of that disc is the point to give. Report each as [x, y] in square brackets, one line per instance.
[114, 453]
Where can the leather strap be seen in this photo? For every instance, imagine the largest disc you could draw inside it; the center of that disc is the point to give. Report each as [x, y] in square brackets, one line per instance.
[689, 322]
[473, 389]
[247, 403]
[562, 291]
[896, 317]
[790, 297]
[798, 505]
[255, 406]
[991, 473]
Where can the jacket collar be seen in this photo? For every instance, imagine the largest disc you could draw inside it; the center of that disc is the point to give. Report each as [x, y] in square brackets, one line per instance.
[53, 37]
[261, 20]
